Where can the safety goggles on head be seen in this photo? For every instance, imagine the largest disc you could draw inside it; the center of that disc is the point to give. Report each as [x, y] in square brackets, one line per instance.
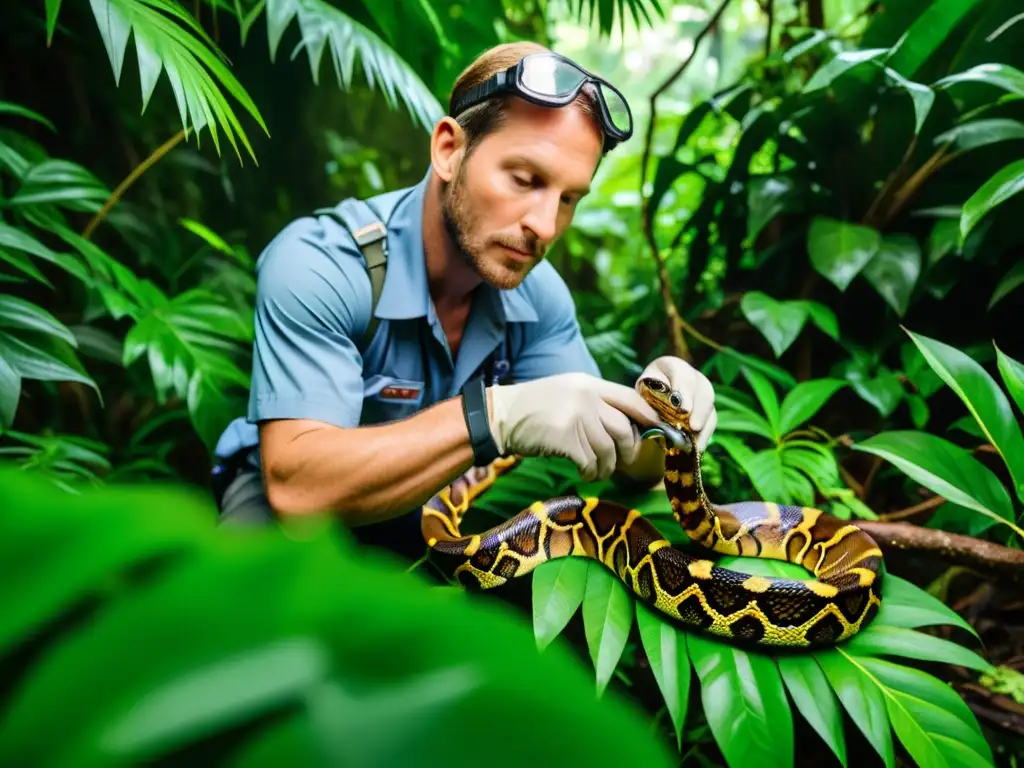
[552, 80]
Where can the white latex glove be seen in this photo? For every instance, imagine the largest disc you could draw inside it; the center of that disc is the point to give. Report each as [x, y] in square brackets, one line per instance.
[577, 416]
[695, 389]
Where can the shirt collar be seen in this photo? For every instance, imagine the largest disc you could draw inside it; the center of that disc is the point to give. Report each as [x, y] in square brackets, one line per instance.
[406, 294]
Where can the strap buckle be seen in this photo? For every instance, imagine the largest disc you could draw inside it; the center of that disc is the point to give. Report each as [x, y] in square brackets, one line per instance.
[371, 233]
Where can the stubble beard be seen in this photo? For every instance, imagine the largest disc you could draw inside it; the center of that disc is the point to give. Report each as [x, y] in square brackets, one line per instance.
[459, 220]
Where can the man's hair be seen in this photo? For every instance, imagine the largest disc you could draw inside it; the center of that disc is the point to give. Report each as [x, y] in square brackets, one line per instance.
[488, 116]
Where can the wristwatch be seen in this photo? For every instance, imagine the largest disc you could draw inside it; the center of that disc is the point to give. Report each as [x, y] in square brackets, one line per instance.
[474, 408]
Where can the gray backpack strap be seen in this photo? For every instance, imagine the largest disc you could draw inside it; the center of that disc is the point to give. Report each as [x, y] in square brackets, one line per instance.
[371, 235]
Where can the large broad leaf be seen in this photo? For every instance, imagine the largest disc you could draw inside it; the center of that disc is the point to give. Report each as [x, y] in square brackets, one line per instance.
[666, 649]
[559, 587]
[767, 197]
[839, 250]
[945, 469]
[804, 400]
[906, 605]
[980, 133]
[878, 639]
[928, 32]
[744, 703]
[841, 64]
[997, 190]
[894, 270]
[18, 313]
[607, 619]
[270, 665]
[1001, 76]
[983, 398]
[780, 322]
[814, 698]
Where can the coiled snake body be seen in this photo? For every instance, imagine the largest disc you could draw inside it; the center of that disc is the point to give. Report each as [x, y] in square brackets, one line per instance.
[842, 597]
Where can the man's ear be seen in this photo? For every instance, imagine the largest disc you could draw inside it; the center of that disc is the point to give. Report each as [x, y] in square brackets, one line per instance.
[447, 146]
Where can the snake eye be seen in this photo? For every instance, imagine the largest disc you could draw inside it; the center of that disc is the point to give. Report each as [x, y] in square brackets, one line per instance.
[676, 400]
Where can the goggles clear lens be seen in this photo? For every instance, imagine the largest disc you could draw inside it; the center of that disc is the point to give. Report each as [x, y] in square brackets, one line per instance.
[555, 77]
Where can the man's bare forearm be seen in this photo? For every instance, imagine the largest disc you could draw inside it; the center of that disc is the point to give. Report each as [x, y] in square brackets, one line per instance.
[365, 474]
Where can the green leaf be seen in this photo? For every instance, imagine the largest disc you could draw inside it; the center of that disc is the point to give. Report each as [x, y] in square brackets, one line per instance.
[894, 270]
[1013, 376]
[883, 391]
[35, 359]
[821, 467]
[18, 313]
[904, 604]
[880, 640]
[92, 621]
[607, 619]
[814, 698]
[731, 420]
[839, 250]
[24, 264]
[744, 702]
[1011, 280]
[929, 31]
[766, 395]
[60, 182]
[980, 133]
[10, 393]
[322, 25]
[779, 322]
[559, 587]
[821, 316]
[1000, 76]
[7, 108]
[997, 190]
[864, 702]
[666, 649]
[767, 197]
[922, 97]
[839, 65]
[804, 400]
[983, 398]
[945, 469]
[919, 722]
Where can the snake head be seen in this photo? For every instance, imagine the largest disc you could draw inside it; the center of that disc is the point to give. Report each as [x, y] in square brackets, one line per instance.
[667, 402]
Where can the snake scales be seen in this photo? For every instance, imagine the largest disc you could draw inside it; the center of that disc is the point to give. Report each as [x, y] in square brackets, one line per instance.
[752, 610]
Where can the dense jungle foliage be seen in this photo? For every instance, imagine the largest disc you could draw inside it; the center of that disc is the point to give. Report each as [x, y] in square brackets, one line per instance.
[819, 208]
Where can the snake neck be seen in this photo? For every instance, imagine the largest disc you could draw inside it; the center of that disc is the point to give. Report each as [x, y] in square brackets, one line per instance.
[684, 488]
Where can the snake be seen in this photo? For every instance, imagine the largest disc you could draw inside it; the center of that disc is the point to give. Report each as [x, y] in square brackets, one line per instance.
[842, 595]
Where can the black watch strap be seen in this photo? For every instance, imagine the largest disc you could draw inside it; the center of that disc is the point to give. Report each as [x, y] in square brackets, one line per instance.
[474, 408]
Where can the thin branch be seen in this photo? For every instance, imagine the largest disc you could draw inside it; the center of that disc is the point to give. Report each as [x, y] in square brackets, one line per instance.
[676, 322]
[132, 177]
[985, 557]
[924, 506]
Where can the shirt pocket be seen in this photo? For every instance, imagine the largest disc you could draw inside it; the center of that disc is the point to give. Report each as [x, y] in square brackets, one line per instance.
[387, 398]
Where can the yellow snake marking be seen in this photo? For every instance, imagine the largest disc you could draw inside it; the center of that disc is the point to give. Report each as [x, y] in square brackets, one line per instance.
[757, 584]
[822, 589]
[756, 609]
[700, 569]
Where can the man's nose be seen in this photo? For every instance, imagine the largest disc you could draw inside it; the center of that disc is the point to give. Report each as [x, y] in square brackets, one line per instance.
[542, 219]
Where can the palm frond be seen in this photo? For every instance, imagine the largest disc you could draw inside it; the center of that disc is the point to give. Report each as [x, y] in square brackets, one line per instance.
[321, 24]
[606, 12]
[168, 39]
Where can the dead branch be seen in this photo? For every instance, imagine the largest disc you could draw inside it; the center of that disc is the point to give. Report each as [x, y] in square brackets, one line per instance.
[985, 557]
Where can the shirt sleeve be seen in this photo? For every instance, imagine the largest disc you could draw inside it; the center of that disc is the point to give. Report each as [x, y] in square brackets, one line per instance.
[554, 343]
[312, 304]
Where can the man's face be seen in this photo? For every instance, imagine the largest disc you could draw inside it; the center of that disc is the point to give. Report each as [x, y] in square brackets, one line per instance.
[518, 190]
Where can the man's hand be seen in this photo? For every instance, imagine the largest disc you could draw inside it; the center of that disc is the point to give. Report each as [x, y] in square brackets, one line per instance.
[574, 415]
[695, 389]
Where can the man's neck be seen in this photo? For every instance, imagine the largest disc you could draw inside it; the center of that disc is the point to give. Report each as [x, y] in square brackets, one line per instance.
[450, 278]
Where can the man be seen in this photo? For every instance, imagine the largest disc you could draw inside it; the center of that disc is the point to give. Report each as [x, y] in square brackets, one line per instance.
[368, 431]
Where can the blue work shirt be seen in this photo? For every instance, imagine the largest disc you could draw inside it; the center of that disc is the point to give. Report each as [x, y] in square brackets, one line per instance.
[313, 305]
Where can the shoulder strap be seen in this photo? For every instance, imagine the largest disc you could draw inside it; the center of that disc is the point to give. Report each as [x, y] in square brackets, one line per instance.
[370, 232]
